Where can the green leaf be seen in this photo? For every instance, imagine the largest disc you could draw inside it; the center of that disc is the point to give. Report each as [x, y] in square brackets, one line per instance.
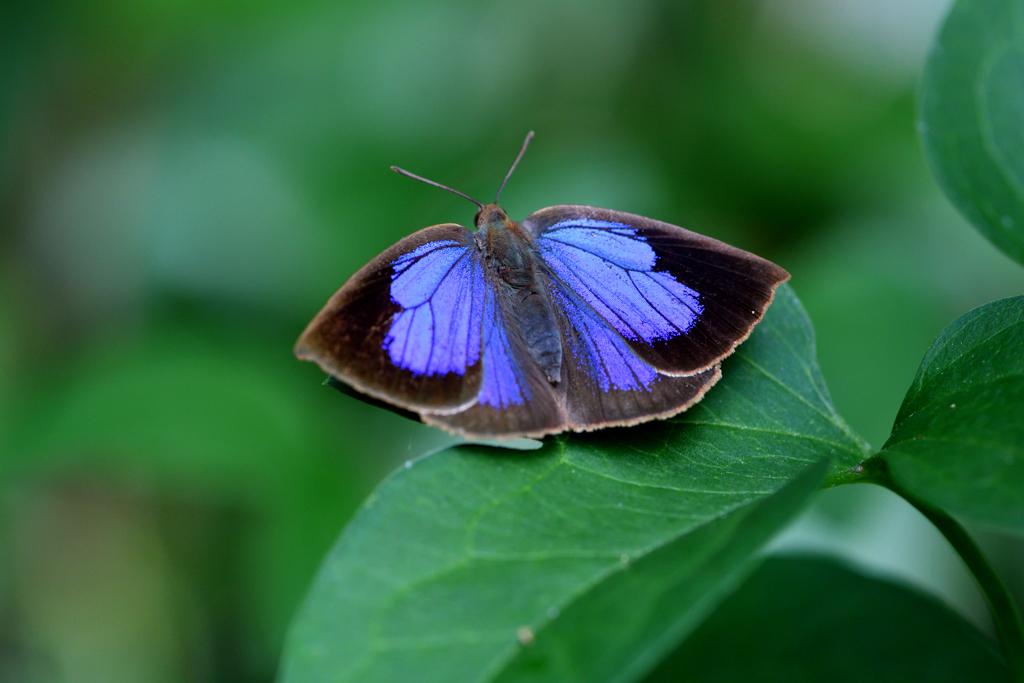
[958, 442]
[804, 619]
[461, 555]
[972, 115]
[628, 623]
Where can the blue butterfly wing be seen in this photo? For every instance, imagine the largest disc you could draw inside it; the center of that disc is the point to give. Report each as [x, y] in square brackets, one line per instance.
[515, 396]
[407, 328]
[428, 328]
[680, 301]
[604, 381]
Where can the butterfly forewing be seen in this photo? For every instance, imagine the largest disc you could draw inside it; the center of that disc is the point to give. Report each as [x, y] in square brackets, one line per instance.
[407, 328]
[681, 301]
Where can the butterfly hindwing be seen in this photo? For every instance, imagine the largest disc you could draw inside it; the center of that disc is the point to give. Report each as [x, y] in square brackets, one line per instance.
[681, 301]
[604, 382]
[515, 396]
[407, 327]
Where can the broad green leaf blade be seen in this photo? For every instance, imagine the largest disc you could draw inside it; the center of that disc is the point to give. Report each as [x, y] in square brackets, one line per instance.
[457, 552]
[958, 442]
[660, 599]
[972, 116]
[804, 619]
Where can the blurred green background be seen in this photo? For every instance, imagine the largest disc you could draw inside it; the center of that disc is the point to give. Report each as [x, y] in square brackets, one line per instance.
[183, 184]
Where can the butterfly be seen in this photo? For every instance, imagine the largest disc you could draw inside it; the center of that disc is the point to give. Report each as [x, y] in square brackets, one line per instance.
[577, 318]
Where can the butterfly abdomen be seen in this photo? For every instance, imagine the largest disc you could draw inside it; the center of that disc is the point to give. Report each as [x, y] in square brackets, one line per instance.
[511, 253]
[540, 331]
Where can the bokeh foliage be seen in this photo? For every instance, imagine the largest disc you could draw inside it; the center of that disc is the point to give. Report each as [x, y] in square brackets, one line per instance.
[971, 109]
[795, 619]
[183, 184]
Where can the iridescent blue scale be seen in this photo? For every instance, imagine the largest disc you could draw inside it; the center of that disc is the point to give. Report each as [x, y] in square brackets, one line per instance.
[503, 384]
[603, 353]
[577, 318]
[612, 268]
[439, 289]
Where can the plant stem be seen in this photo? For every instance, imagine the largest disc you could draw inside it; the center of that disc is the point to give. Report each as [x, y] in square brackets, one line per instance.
[1004, 611]
[1005, 614]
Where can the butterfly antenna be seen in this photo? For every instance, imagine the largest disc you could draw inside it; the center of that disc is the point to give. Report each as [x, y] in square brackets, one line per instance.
[431, 182]
[526, 143]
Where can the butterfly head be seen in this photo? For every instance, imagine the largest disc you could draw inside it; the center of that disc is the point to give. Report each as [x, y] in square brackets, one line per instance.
[503, 242]
[491, 217]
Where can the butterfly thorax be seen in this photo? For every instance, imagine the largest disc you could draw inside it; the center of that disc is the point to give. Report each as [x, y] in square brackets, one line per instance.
[509, 252]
